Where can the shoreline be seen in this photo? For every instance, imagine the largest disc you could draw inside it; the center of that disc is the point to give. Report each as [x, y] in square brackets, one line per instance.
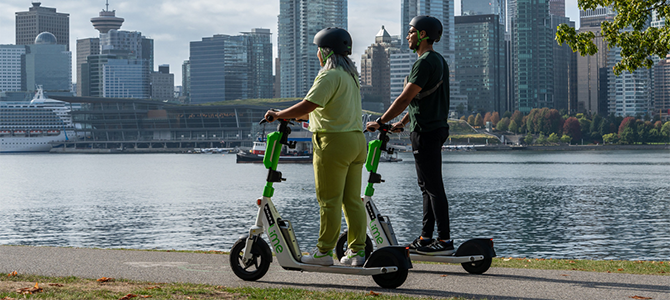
[571, 147]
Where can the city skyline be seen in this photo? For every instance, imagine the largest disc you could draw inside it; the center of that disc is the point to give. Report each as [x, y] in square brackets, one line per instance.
[174, 24]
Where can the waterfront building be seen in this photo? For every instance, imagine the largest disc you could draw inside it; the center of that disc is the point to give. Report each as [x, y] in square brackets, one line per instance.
[185, 82]
[629, 94]
[125, 77]
[40, 19]
[299, 21]
[48, 64]
[541, 66]
[662, 88]
[162, 84]
[443, 10]
[376, 72]
[592, 72]
[480, 61]
[85, 48]
[11, 66]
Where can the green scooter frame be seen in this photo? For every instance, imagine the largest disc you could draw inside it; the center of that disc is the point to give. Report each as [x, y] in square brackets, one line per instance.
[475, 255]
[250, 256]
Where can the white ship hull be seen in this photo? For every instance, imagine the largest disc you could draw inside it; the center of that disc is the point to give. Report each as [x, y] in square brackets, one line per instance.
[13, 144]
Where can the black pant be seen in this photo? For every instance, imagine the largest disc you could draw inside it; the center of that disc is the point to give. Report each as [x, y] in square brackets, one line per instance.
[427, 147]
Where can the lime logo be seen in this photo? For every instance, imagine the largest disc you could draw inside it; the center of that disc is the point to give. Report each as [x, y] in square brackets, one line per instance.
[376, 235]
[274, 240]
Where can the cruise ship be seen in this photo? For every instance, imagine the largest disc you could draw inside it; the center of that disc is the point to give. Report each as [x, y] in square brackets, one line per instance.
[34, 126]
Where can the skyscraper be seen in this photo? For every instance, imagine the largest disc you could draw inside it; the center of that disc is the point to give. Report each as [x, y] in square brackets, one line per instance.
[557, 8]
[259, 49]
[592, 69]
[443, 10]
[207, 64]
[299, 21]
[484, 7]
[48, 64]
[480, 61]
[162, 84]
[541, 68]
[11, 67]
[375, 69]
[85, 48]
[662, 89]
[40, 19]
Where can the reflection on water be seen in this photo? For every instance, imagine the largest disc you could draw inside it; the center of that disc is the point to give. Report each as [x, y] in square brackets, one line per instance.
[601, 205]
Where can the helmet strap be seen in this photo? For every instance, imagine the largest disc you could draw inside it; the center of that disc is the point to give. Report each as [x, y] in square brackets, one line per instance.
[419, 42]
[324, 59]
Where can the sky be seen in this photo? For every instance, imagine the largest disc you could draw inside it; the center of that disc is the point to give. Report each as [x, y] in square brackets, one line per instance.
[173, 24]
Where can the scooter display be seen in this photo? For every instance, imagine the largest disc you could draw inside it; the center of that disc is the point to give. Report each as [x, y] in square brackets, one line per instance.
[250, 256]
[475, 255]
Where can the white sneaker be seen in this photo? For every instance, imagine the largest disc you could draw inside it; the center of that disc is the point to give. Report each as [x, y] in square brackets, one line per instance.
[318, 258]
[351, 258]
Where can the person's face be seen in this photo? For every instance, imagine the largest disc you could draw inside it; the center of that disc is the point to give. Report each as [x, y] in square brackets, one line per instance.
[412, 37]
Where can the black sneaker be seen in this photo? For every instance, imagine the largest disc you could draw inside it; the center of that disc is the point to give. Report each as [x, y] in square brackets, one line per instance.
[438, 247]
[418, 243]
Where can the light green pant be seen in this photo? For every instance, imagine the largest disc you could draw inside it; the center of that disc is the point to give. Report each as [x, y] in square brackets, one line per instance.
[338, 164]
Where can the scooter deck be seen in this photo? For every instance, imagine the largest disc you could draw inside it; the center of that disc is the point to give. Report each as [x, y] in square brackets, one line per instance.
[342, 269]
[446, 258]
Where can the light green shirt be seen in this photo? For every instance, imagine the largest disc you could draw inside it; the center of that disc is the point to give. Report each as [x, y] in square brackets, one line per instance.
[338, 96]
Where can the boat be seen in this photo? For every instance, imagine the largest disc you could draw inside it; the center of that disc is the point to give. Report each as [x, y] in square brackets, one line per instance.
[384, 157]
[257, 152]
[36, 125]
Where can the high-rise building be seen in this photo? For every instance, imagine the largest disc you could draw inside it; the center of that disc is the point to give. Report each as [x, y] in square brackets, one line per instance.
[48, 64]
[85, 48]
[541, 67]
[162, 84]
[443, 10]
[400, 65]
[480, 61]
[208, 70]
[592, 70]
[557, 8]
[40, 19]
[564, 67]
[259, 50]
[662, 89]
[186, 81]
[629, 94]
[107, 20]
[299, 21]
[11, 68]
[484, 7]
[126, 77]
[375, 69]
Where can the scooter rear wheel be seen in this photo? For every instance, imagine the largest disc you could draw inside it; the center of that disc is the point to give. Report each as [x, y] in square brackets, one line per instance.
[475, 267]
[342, 245]
[388, 280]
[257, 266]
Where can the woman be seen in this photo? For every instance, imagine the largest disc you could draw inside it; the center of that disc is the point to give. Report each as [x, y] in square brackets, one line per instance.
[334, 107]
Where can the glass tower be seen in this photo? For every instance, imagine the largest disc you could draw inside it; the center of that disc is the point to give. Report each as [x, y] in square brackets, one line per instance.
[299, 21]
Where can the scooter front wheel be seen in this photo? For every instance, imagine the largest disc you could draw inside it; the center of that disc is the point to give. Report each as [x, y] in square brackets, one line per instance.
[342, 245]
[389, 280]
[257, 266]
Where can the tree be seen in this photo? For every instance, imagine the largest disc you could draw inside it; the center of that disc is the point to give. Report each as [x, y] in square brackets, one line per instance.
[528, 139]
[517, 117]
[460, 109]
[495, 118]
[610, 138]
[513, 127]
[463, 118]
[507, 114]
[572, 128]
[541, 139]
[665, 131]
[503, 124]
[471, 120]
[479, 121]
[628, 30]
[487, 118]
[566, 139]
[553, 138]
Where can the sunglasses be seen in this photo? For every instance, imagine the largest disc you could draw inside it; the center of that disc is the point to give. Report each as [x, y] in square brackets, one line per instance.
[411, 31]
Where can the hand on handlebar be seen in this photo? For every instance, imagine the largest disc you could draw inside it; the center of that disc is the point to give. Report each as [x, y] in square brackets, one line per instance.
[270, 116]
[372, 126]
[398, 127]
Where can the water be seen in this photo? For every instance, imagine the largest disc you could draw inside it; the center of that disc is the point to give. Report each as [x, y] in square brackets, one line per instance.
[600, 205]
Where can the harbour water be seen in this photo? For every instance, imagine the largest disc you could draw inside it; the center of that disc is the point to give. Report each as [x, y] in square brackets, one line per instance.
[595, 204]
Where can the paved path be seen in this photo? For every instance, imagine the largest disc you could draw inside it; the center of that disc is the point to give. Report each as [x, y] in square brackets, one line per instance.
[428, 280]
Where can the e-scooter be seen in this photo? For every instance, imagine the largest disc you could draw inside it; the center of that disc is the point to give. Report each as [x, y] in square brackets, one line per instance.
[250, 256]
[475, 255]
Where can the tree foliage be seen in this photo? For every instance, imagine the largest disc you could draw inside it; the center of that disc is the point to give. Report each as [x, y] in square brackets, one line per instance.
[627, 31]
[571, 127]
[479, 121]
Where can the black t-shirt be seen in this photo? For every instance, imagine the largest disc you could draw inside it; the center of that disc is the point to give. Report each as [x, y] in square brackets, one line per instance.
[432, 111]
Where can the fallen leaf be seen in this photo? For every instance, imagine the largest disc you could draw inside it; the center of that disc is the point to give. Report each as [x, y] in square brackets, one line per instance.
[12, 274]
[639, 297]
[129, 296]
[153, 287]
[8, 298]
[444, 275]
[55, 284]
[145, 296]
[572, 261]
[29, 291]
[372, 293]
[564, 275]
[507, 259]
[619, 269]
[106, 279]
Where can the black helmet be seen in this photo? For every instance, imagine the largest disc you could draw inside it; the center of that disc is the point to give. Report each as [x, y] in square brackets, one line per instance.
[334, 38]
[431, 25]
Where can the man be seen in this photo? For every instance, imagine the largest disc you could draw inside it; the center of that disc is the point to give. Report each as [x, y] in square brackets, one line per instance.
[427, 95]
